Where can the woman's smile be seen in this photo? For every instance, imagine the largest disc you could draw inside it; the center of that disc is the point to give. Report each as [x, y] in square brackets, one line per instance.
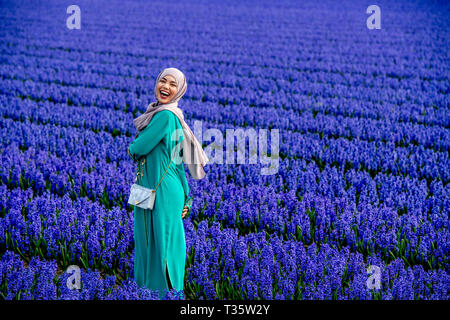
[166, 89]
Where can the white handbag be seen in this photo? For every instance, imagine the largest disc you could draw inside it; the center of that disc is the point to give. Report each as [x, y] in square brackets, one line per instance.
[143, 197]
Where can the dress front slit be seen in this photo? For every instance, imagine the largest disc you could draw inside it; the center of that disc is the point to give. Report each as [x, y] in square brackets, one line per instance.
[169, 283]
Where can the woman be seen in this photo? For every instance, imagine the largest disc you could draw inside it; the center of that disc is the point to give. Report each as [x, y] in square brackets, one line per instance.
[160, 246]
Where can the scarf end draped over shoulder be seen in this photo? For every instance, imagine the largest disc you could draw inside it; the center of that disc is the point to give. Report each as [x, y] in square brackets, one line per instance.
[193, 155]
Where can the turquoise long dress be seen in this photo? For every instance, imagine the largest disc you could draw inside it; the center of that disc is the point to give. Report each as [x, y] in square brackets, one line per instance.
[160, 245]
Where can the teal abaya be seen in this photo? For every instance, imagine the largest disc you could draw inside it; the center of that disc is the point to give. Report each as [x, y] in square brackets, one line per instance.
[160, 246]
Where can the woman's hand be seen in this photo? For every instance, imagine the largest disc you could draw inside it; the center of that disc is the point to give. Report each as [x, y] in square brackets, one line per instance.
[185, 211]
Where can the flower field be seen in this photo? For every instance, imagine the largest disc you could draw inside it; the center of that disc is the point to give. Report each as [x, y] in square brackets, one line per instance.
[364, 143]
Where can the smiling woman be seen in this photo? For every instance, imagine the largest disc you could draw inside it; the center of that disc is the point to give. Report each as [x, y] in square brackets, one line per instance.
[160, 246]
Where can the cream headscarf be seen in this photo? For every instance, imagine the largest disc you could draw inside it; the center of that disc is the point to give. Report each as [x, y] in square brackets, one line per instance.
[191, 147]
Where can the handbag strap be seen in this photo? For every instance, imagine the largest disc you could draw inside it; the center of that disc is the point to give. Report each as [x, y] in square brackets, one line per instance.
[164, 173]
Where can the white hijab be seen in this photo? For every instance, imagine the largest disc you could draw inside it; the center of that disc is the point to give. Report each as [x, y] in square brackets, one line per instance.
[191, 147]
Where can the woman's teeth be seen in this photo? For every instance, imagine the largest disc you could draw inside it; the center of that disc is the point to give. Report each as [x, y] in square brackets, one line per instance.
[164, 93]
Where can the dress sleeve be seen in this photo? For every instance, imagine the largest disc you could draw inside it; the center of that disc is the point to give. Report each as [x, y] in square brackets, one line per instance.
[150, 136]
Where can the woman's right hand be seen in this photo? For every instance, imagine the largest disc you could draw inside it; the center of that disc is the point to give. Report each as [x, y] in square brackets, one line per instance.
[185, 211]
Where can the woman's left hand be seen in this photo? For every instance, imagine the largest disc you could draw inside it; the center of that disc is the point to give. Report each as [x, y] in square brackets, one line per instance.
[185, 211]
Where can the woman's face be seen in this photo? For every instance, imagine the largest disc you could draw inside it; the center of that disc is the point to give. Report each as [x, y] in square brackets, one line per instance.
[166, 89]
